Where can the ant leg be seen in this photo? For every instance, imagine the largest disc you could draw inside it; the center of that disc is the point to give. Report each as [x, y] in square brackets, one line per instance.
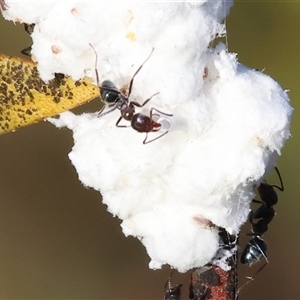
[144, 141]
[145, 102]
[131, 81]
[151, 112]
[258, 201]
[251, 278]
[155, 115]
[172, 292]
[121, 126]
[100, 114]
[147, 142]
[151, 115]
[100, 111]
[168, 283]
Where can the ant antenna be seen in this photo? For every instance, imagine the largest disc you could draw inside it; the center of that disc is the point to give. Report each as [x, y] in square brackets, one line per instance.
[281, 182]
[131, 81]
[96, 64]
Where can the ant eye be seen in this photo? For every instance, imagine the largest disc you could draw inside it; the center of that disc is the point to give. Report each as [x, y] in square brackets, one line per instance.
[109, 97]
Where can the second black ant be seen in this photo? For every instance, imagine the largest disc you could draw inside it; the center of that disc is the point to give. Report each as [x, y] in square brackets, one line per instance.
[3, 5]
[29, 29]
[115, 99]
[257, 247]
[172, 292]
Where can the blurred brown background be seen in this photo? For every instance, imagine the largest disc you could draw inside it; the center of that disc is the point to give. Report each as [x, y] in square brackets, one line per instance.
[58, 241]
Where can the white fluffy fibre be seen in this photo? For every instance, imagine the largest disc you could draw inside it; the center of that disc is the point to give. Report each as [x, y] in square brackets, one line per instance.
[229, 122]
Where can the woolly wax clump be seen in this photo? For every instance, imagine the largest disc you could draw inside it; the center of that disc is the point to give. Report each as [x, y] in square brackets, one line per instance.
[229, 122]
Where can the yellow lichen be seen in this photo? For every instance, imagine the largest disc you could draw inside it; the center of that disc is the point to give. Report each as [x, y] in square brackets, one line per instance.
[25, 99]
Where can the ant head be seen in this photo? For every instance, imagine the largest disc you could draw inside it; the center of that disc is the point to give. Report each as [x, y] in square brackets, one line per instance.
[109, 93]
[267, 194]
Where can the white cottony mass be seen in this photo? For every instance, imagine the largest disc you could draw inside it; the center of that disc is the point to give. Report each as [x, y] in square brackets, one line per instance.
[227, 127]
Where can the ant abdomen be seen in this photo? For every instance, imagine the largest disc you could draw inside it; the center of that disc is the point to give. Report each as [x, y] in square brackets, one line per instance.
[143, 123]
[254, 251]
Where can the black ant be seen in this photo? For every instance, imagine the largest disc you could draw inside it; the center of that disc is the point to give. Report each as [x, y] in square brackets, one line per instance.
[257, 247]
[115, 99]
[172, 292]
[29, 29]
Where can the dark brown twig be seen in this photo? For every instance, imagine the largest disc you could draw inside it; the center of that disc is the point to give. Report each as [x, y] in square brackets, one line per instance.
[3, 5]
[212, 282]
